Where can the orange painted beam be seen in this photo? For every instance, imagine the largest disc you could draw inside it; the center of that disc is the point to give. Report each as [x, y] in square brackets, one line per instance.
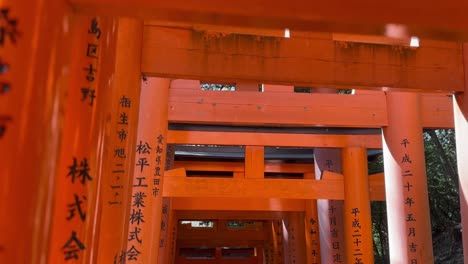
[204, 243]
[291, 109]
[319, 62]
[229, 215]
[244, 235]
[237, 204]
[441, 20]
[187, 105]
[238, 166]
[273, 139]
[257, 188]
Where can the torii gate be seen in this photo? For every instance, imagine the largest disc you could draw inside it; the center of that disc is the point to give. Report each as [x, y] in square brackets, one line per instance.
[70, 119]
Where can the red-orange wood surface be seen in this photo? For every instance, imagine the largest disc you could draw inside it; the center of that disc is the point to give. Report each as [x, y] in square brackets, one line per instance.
[34, 58]
[150, 158]
[78, 174]
[273, 139]
[238, 167]
[119, 155]
[358, 236]
[254, 162]
[259, 188]
[363, 109]
[229, 215]
[238, 204]
[440, 19]
[190, 54]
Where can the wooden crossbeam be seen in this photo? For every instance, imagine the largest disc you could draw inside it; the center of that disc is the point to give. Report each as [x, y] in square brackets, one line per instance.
[258, 188]
[237, 204]
[296, 109]
[273, 139]
[439, 19]
[221, 235]
[229, 215]
[316, 62]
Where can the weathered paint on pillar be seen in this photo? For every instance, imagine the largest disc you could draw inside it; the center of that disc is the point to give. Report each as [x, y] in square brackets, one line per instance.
[357, 212]
[164, 240]
[409, 226]
[146, 209]
[78, 175]
[120, 139]
[34, 71]
[460, 111]
[296, 233]
[330, 212]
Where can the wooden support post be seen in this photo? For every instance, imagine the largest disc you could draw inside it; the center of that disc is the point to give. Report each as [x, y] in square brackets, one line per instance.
[460, 105]
[409, 225]
[75, 219]
[296, 239]
[278, 241]
[145, 216]
[330, 212]
[312, 235]
[254, 162]
[357, 213]
[119, 155]
[171, 248]
[34, 58]
[286, 241]
[164, 244]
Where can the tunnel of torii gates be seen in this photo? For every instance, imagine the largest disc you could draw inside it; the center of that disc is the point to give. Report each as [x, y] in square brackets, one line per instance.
[110, 152]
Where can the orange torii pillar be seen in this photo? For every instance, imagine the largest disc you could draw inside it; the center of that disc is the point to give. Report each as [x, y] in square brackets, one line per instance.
[460, 105]
[34, 56]
[120, 139]
[409, 225]
[330, 212]
[146, 205]
[296, 238]
[312, 235]
[278, 241]
[268, 246]
[166, 211]
[357, 213]
[75, 218]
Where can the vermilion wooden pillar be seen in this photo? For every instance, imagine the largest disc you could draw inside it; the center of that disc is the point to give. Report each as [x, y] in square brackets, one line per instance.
[119, 154]
[278, 241]
[357, 213]
[296, 234]
[146, 205]
[34, 68]
[312, 235]
[77, 178]
[166, 211]
[330, 212]
[460, 107]
[409, 225]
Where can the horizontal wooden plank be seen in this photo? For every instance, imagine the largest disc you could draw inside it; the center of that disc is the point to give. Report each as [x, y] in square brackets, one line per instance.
[237, 204]
[239, 166]
[256, 188]
[422, 18]
[297, 109]
[273, 139]
[293, 109]
[229, 215]
[189, 54]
